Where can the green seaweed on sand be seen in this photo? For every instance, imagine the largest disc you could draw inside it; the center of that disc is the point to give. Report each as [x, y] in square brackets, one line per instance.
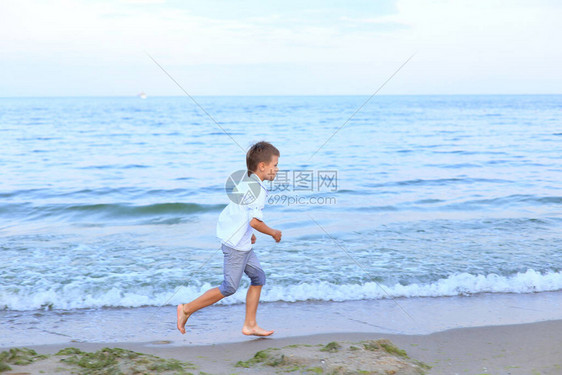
[265, 357]
[331, 347]
[391, 349]
[19, 357]
[105, 358]
[4, 367]
[385, 345]
[161, 365]
[366, 357]
[316, 370]
[69, 351]
[113, 361]
[107, 361]
[259, 357]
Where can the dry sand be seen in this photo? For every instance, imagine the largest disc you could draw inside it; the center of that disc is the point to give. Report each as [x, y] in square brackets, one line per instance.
[525, 349]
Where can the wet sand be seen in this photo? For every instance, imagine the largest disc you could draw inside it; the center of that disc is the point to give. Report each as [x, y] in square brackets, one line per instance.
[483, 334]
[222, 323]
[524, 349]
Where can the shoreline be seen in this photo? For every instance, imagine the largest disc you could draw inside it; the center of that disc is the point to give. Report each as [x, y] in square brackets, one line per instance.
[529, 348]
[222, 323]
[481, 334]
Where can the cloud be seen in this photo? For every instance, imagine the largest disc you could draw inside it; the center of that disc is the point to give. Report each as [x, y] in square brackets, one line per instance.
[103, 28]
[463, 46]
[491, 46]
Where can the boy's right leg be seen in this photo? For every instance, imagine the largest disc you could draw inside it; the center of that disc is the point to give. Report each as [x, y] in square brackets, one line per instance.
[185, 310]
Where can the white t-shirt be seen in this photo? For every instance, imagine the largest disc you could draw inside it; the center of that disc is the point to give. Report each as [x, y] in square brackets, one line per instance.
[233, 227]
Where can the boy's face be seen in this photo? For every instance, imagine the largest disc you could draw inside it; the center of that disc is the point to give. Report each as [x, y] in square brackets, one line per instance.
[270, 169]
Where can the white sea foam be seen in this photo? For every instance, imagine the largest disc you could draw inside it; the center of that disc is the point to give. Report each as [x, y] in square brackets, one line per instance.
[459, 284]
[77, 297]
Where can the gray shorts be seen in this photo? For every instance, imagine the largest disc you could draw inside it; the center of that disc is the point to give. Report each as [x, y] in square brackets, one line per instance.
[237, 262]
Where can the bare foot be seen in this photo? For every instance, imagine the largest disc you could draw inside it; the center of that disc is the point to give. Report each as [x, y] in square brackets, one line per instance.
[182, 318]
[256, 331]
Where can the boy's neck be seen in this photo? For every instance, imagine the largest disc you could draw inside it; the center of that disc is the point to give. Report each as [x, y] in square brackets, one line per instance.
[257, 175]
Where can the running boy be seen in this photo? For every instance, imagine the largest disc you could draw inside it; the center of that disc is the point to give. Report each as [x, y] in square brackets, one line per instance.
[235, 230]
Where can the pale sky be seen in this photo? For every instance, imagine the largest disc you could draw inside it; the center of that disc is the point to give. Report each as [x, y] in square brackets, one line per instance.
[288, 47]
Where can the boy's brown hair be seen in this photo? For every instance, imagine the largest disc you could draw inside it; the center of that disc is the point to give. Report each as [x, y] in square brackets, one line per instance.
[260, 152]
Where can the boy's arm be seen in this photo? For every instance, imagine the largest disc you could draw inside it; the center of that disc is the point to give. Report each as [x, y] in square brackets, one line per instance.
[260, 226]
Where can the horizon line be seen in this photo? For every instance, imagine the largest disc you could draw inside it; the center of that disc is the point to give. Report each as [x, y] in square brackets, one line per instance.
[263, 95]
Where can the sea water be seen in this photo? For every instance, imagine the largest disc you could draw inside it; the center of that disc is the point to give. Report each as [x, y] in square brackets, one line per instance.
[113, 201]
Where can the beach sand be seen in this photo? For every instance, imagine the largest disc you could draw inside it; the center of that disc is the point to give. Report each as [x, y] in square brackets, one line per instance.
[524, 349]
[480, 334]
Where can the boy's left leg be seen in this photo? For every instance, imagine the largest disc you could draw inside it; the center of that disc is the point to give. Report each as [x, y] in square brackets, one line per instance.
[257, 276]
[250, 325]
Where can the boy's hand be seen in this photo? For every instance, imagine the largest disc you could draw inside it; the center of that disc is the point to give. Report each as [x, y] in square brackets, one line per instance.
[276, 235]
[260, 226]
[253, 239]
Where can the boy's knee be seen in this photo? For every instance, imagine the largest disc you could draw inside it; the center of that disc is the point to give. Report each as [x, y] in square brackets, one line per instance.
[258, 278]
[227, 289]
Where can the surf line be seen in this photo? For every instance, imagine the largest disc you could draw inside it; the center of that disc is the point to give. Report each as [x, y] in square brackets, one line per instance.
[362, 268]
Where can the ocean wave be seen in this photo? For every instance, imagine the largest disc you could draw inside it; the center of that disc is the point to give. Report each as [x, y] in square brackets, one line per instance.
[530, 281]
[105, 210]
[510, 200]
[81, 296]
[436, 182]
[42, 194]
[520, 200]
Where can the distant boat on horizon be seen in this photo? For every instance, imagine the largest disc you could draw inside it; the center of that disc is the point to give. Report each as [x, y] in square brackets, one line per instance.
[142, 95]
